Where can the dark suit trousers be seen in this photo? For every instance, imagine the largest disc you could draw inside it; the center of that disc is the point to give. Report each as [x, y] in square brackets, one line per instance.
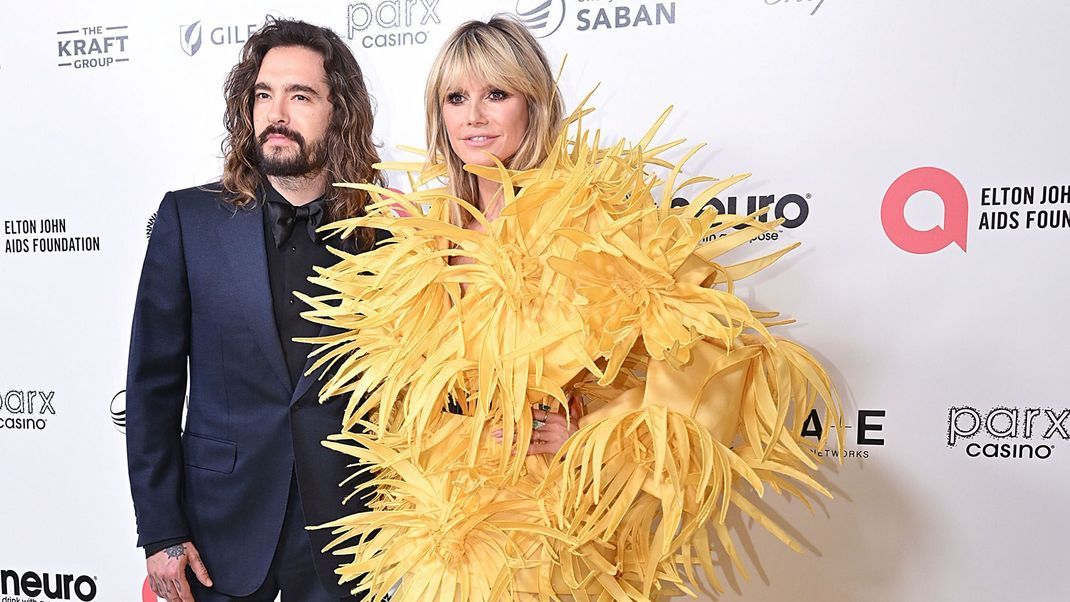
[292, 571]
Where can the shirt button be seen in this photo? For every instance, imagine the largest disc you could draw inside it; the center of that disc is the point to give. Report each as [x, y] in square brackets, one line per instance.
[291, 301]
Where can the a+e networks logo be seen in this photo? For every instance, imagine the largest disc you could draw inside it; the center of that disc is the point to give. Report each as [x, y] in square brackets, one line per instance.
[868, 431]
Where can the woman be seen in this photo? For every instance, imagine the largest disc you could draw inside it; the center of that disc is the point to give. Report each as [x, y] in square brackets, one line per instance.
[491, 95]
[544, 268]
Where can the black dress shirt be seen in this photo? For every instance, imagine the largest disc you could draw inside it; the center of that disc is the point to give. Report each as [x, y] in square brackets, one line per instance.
[289, 267]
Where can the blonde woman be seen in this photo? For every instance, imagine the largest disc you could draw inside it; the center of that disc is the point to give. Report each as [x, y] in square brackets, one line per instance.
[546, 268]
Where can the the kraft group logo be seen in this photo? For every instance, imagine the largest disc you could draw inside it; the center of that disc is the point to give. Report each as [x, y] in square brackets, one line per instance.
[30, 586]
[541, 17]
[93, 46]
[1021, 433]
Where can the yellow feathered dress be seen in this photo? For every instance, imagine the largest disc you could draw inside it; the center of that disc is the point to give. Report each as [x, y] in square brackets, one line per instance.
[589, 281]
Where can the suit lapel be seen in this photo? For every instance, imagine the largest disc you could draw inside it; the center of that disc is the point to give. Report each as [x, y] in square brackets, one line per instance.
[307, 380]
[242, 236]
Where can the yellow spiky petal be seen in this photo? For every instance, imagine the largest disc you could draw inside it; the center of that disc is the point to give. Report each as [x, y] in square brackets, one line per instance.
[588, 282]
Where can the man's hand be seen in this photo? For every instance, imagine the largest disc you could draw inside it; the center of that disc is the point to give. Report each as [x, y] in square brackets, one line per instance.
[167, 572]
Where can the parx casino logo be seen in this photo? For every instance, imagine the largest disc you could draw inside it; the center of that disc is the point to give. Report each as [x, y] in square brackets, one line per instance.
[389, 23]
[26, 410]
[93, 46]
[1022, 433]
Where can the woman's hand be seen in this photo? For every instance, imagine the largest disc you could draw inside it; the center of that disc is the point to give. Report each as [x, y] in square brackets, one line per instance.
[551, 429]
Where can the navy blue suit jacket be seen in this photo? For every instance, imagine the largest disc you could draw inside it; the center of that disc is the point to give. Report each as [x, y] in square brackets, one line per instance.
[204, 300]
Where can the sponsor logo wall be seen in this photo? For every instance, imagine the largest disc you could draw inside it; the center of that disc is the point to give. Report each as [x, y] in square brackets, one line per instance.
[915, 149]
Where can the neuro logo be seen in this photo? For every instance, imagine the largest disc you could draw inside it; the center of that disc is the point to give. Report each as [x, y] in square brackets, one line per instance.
[541, 17]
[117, 408]
[30, 585]
[190, 37]
[956, 211]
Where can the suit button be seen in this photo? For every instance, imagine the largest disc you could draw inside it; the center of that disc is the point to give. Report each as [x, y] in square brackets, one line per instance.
[293, 249]
[291, 301]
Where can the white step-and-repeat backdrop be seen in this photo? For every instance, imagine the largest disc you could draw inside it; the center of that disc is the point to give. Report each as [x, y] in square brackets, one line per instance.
[917, 148]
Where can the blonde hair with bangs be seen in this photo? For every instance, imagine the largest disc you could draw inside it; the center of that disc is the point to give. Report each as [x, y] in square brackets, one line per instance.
[502, 53]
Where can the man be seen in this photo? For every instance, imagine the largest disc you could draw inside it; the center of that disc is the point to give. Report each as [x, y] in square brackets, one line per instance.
[230, 496]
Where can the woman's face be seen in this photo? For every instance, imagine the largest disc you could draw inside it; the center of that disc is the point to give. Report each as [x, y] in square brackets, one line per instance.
[481, 118]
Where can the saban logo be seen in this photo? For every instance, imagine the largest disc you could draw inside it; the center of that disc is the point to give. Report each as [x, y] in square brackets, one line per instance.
[541, 17]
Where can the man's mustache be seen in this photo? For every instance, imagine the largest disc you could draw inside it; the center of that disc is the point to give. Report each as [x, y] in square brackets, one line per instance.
[282, 131]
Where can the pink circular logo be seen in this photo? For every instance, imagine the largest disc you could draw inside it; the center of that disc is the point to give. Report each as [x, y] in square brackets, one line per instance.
[956, 211]
[147, 595]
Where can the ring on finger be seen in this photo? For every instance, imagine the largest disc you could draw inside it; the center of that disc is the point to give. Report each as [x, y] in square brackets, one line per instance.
[537, 424]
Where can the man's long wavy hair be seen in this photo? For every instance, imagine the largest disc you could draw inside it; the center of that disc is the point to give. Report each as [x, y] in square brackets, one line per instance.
[350, 149]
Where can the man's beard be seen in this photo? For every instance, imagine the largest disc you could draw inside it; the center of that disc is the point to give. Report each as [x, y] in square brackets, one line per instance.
[282, 163]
